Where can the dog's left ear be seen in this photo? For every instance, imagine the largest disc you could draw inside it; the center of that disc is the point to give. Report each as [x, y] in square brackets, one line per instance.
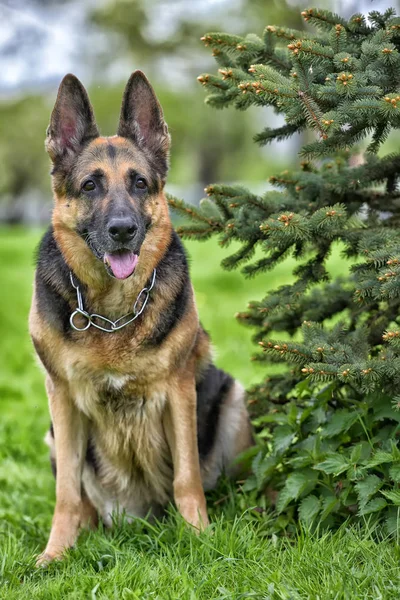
[142, 118]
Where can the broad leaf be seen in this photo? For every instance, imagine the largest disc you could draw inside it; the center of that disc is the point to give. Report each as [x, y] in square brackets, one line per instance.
[393, 496]
[329, 504]
[379, 458]
[374, 505]
[309, 508]
[295, 485]
[341, 421]
[366, 488]
[393, 521]
[394, 473]
[334, 464]
[283, 437]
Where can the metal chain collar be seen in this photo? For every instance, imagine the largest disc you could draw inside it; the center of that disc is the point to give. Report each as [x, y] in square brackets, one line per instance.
[111, 326]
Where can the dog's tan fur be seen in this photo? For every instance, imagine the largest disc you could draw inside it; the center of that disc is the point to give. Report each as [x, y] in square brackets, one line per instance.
[148, 436]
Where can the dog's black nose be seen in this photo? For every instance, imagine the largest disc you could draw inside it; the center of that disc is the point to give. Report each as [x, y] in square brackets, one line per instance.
[122, 229]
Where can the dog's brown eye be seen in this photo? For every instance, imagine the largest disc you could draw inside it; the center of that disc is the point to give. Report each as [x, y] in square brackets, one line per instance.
[141, 183]
[89, 186]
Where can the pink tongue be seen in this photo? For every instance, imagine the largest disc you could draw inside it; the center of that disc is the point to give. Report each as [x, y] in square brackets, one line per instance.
[122, 263]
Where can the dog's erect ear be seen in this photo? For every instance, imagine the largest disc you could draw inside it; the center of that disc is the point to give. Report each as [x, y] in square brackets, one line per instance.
[72, 121]
[142, 118]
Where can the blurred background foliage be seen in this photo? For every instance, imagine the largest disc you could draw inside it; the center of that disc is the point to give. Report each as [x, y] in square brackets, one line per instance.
[111, 39]
[102, 42]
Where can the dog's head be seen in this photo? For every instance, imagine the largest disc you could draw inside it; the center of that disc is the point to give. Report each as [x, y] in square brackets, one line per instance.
[108, 190]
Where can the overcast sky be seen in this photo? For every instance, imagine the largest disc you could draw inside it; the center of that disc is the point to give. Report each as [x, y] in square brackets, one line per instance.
[54, 41]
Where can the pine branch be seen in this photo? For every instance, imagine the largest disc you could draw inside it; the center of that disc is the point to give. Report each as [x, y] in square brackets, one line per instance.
[279, 134]
[323, 19]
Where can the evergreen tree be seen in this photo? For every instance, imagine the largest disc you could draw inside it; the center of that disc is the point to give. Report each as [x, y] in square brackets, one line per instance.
[329, 423]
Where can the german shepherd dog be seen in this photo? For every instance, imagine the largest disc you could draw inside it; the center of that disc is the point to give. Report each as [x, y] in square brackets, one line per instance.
[140, 415]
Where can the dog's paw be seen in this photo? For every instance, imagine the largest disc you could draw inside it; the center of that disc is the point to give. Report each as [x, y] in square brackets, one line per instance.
[44, 559]
[194, 511]
[198, 520]
[200, 524]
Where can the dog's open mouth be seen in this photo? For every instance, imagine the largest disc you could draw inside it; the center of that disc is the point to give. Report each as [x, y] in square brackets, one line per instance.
[121, 264]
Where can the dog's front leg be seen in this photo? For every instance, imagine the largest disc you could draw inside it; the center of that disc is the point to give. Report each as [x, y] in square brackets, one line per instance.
[182, 434]
[70, 437]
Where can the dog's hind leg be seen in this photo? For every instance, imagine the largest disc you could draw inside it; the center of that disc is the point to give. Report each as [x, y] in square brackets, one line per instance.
[233, 435]
[70, 441]
[89, 515]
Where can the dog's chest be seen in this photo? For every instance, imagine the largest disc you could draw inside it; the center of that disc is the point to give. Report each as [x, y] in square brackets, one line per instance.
[127, 430]
[112, 360]
[117, 399]
[124, 396]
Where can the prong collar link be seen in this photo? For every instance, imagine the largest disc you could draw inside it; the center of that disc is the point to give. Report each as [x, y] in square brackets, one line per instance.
[102, 323]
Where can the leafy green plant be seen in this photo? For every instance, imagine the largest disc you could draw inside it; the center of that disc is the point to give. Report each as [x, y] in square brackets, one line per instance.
[328, 425]
[331, 456]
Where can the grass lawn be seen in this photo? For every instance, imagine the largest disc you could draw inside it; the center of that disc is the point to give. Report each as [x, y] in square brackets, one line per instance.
[235, 560]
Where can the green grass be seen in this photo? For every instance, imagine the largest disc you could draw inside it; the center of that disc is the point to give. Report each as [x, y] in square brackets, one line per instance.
[236, 559]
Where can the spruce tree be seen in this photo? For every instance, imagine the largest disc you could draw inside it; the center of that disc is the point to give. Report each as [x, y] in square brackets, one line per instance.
[329, 421]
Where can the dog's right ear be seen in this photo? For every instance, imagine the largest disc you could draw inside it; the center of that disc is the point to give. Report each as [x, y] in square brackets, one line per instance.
[72, 121]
